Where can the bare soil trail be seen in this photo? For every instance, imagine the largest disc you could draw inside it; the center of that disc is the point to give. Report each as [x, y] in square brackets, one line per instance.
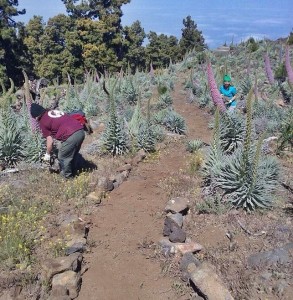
[131, 216]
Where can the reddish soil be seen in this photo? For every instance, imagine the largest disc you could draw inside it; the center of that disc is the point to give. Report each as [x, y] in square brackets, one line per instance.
[131, 218]
[128, 224]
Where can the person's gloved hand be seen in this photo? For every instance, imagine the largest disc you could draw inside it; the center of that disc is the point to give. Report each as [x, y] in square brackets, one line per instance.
[46, 157]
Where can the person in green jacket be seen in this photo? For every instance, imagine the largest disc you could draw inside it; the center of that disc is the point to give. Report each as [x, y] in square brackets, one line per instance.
[228, 93]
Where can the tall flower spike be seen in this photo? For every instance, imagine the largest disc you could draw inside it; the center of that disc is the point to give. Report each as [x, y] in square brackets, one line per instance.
[268, 69]
[28, 101]
[288, 65]
[216, 96]
[247, 139]
[152, 72]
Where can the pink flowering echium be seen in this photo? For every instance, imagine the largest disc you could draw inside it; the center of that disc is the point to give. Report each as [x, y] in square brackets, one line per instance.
[34, 124]
[215, 93]
[268, 69]
[288, 65]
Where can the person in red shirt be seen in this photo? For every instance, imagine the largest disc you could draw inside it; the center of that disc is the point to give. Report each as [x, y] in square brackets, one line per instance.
[55, 124]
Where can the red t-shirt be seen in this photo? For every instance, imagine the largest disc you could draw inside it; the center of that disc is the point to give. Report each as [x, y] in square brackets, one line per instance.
[59, 125]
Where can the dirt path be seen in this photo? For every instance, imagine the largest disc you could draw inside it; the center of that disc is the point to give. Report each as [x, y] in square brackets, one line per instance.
[132, 215]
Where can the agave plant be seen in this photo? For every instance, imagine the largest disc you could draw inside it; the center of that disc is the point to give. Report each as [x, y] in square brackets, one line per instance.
[146, 137]
[165, 100]
[248, 178]
[5, 98]
[232, 132]
[286, 133]
[249, 185]
[136, 120]
[175, 123]
[114, 137]
[215, 154]
[245, 85]
[129, 90]
[11, 150]
[33, 147]
[194, 145]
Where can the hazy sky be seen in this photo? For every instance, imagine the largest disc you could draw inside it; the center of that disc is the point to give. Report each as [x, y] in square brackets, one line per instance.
[219, 20]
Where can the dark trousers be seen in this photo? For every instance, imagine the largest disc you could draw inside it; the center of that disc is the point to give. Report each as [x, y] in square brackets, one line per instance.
[68, 153]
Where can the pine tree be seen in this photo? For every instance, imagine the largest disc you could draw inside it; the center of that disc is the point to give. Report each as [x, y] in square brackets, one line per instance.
[11, 46]
[192, 38]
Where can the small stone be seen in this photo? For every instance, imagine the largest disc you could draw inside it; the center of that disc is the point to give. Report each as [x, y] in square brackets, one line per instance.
[95, 197]
[105, 184]
[207, 282]
[70, 280]
[272, 257]
[177, 205]
[76, 244]
[74, 226]
[187, 259]
[140, 156]
[59, 293]
[120, 178]
[177, 235]
[126, 167]
[167, 247]
[51, 267]
[169, 226]
[190, 247]
[177, 218]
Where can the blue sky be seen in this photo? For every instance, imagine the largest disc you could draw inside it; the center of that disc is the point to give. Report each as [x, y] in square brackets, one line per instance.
[219, 20]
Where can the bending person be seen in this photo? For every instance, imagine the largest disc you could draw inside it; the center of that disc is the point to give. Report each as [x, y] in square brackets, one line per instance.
[57, 125]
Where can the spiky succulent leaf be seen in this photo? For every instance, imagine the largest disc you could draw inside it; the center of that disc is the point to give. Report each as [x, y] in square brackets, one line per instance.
[11, 150]
[165, 100]
[232, 132]
[146, 138]
[34, 147]
[136, 120]
[114, 137]
[249, 186]
[129, 90]
[175, 123]
[194, 145]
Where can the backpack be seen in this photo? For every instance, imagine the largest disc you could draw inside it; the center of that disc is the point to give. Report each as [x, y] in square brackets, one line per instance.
[79, 115]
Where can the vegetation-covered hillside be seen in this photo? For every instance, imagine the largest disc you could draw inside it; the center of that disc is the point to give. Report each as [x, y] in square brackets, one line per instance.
[87, 61]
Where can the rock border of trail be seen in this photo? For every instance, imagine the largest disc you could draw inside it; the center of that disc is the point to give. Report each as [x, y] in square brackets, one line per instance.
[206, 283]
[63, 275]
